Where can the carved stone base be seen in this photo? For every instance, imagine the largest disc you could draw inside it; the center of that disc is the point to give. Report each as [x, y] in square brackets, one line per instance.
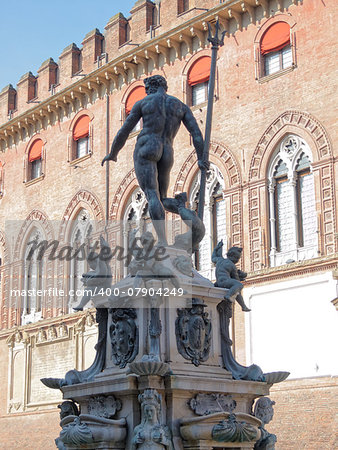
[211, 445]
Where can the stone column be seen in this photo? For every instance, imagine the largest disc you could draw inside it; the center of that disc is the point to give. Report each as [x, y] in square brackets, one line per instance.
[293, 188]
[272, 220]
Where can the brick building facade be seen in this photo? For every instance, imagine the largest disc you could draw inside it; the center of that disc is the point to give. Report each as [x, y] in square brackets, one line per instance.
[271, 190]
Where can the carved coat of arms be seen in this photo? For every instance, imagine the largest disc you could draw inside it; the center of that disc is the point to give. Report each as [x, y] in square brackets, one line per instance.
[193, 332]
[124, 336]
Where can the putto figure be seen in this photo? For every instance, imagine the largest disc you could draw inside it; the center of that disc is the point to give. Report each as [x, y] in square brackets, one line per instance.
[227, 274]
[162, 115]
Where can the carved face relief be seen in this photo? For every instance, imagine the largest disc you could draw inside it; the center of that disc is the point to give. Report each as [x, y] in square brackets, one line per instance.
[150, 412]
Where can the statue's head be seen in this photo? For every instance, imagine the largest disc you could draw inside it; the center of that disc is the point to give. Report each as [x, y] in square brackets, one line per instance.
[264, 409]
[234, 253]
[153, 83]
[147, 239]
[150, 404]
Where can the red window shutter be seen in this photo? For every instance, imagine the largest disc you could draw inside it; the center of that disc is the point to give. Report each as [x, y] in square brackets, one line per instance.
[199, 71]
[136, 94]
[81, 128]
[36, 151]
[275, 38]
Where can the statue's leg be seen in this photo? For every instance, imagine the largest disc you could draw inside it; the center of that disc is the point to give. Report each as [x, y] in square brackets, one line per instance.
[84, 300]
[147, 176]
[163, 167]
[234, 287]
[240, 301]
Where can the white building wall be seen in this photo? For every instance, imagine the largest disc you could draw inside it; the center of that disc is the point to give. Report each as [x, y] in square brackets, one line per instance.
[293, 326]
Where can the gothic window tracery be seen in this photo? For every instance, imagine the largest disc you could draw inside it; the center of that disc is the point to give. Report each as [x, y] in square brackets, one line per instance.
[293, 218]
[214, 217]
[33, 268]
[136, 219]
[79, 243]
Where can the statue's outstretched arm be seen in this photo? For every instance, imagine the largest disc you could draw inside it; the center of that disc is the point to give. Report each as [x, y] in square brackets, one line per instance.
[123, 133]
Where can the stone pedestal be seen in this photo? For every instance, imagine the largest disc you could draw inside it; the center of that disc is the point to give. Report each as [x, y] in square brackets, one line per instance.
[163, 373]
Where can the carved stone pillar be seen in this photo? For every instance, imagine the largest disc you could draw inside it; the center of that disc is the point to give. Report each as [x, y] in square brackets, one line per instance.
[273, 249]
[293, 188]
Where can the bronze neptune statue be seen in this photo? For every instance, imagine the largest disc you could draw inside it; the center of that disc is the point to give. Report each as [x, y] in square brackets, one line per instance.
[162, 115]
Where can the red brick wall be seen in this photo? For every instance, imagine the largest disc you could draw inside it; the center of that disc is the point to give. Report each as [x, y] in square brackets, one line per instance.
[305, 414]
[242, 113]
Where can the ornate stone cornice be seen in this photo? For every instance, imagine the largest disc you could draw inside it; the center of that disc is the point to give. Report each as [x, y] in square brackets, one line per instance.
[311, 266]
[106, 75]
[33, 328]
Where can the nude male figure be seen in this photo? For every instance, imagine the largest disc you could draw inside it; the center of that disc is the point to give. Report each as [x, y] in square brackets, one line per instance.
[162, 115]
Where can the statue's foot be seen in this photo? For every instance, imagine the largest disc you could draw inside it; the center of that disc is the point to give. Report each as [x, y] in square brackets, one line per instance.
[245, 309]
[181, 199]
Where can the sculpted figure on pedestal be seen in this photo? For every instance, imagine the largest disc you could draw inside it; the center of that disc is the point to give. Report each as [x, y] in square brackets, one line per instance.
[227, 274]
[150, 434]
[162, 115]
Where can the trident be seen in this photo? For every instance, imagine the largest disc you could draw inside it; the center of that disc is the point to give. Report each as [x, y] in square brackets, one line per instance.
[216, 43]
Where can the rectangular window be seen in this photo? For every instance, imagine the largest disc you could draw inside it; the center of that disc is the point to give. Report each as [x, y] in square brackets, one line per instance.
[36, 169]
[82, 147]
[199, 93]
[276, 61]
[286, 57]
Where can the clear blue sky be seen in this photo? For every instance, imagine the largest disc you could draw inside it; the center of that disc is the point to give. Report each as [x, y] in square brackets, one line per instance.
[33, 31]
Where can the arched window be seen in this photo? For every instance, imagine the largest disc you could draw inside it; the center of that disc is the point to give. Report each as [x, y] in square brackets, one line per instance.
[79, 242]
[275, 48]
[81, 134]
[214, 217]
[32, 287]
[35, 158]
[136, 218]
[138, 93]
[198, 80]
[293, 218]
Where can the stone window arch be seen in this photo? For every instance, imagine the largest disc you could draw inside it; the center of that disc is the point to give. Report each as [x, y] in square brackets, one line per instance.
[214, 217]
[275, 47]
[79, 241]
[137, 93]
[33, 279]
[195, 77]
[80, 139]
[35, 161]
[292, 206]
[135, 218]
